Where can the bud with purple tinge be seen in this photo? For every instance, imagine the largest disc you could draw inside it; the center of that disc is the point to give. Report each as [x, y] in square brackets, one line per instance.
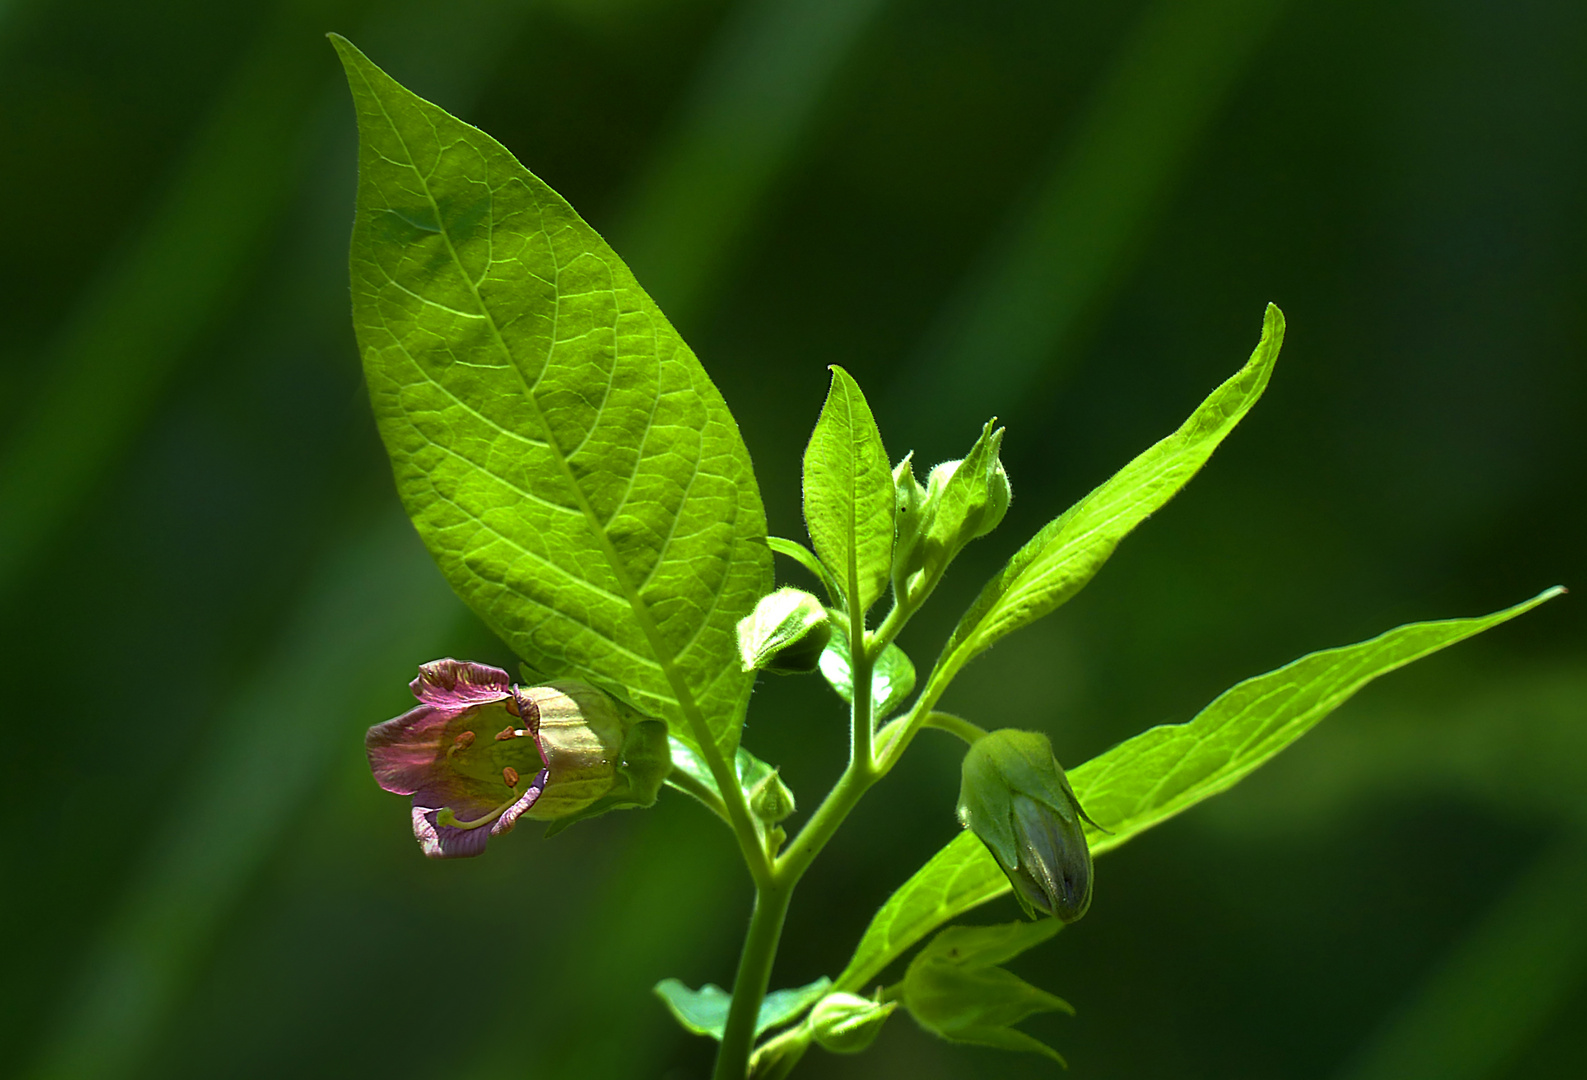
[1016, 798]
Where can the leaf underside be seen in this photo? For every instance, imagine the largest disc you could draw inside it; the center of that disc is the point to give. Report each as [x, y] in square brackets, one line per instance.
[1164, 771]
[561, 451]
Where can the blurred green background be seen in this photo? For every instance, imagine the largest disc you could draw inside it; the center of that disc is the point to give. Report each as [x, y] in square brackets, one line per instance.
[1068, 215]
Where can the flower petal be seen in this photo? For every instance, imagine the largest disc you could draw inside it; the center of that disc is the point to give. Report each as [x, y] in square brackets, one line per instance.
[510, 816]
[403, 750]
[450, 842]
[444, 841]
[457, 684]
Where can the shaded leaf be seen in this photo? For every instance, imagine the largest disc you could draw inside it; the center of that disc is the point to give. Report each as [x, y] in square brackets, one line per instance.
[892, 676]
[562, 453]
[704, 1011]
[1066, 554]
[1164, 771]
[849, 494]
[954, 989]
[751, 769]
[988, 946]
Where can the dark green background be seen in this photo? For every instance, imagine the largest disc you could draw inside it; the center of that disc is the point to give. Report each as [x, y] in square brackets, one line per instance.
[1070, 215]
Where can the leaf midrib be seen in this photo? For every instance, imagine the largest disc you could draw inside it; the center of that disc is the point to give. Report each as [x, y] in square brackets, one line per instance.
[684, 698]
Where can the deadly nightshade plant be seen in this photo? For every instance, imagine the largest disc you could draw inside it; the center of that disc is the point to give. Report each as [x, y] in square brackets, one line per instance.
[584, 488]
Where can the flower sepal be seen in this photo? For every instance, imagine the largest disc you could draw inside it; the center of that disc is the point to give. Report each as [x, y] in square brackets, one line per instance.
[645, 761]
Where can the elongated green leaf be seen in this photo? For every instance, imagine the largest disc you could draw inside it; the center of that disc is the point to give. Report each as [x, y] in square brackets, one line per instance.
[704, 1011]
[1164, 771]
[572, 469]
[807, 559]
[849, 495]
[1065, 555]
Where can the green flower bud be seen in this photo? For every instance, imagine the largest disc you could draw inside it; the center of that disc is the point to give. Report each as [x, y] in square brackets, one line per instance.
[910, 521]
[785, 634]
[770, 800]
[1016, 798]
[964, 500]
[847, 1023]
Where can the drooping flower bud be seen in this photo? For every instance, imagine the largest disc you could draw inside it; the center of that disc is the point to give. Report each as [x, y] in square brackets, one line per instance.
[847, 1023]
[1014, 795]
[785, 634]
[478, 753]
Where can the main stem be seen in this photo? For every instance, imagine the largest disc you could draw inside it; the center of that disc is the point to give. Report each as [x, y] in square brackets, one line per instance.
[749, 985]
[773, 895]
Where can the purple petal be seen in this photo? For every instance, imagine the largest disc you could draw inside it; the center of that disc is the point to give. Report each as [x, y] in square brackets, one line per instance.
[449, 842]
[457, 684]
[510, 816]
[403, 750]
[443, 841]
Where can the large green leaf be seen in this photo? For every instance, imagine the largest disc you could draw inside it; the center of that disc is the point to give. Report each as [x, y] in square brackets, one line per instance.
[572, 469]
[1066, 554]
[1164, 771]
[849, 495]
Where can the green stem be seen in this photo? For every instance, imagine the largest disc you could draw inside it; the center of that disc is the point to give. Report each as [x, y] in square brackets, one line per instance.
[749, 985]
[773, 896]
[955, 725]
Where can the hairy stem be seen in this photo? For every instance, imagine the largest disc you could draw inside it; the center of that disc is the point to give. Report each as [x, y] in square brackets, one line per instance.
[955, 725]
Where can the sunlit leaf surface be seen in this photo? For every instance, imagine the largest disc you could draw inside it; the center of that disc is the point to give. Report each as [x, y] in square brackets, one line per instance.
[1165, 770]
[1061, 558]
[577, 476]
[848, 494]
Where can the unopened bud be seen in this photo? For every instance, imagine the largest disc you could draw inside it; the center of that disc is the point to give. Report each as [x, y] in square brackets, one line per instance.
[770, 800]
[847, 1023]
[911, 519]
[1014, 795]
[964, 500]
[785, 634]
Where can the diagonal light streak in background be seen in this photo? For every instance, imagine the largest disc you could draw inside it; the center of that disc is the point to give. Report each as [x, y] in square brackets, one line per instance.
[166, 288]
[146, 958]
[1072, 241]
[375, 605]
[752, 101]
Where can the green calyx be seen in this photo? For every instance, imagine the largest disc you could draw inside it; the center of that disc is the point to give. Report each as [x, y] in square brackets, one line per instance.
[785, 634]
[602, 759]
[1014, 796]
[847, 1023]
[961, 501]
